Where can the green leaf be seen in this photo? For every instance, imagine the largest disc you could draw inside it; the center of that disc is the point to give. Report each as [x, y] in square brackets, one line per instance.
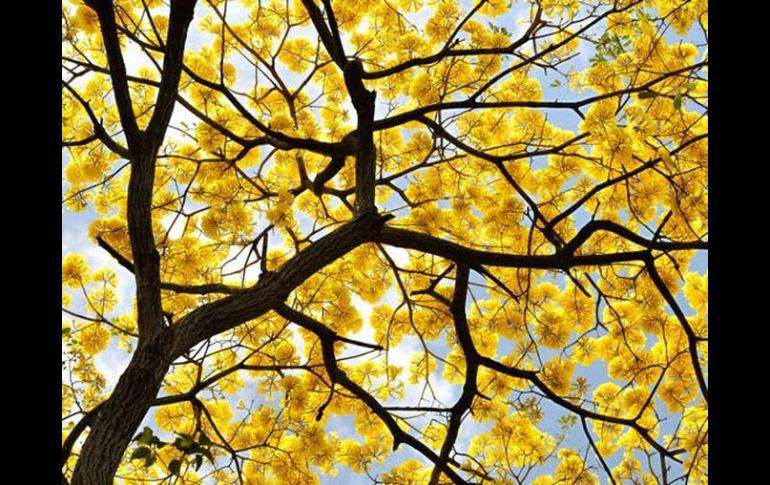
[149, 461]
[174, 466]
[141, 452]
[678, 102]
[183, 443]
[146, 437]
[647, 95]
[567, 421]
[207, 454]
[139, 435]
[204, 440]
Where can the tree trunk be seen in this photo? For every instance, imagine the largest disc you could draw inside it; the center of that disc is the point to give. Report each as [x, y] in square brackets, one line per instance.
[123, 412]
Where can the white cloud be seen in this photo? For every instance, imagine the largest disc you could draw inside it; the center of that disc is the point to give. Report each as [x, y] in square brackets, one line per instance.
[111, 363]
[399, 255]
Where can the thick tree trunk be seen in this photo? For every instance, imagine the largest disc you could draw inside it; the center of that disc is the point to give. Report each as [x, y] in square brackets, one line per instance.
[137, 388]
[117, 421]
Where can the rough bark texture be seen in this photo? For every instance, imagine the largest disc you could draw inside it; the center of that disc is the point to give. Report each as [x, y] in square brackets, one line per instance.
[122, 413]
[366, 155]
[273, 288]
[139, 385]
[119, 417]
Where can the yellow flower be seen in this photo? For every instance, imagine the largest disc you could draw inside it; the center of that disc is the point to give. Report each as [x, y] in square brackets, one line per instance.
[557, 374]
[94, 338]
[696, 289]
[74, 270]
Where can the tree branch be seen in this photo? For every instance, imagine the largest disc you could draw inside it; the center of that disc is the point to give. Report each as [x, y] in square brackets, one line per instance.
[338, 376]
[180, 17]
[179, 288]
[366, 155]
[463, 404]
[106, 13]
[407, 239]
[471, 103]
[273, 288]
[692, 339]
[99, 130]
[333, 47]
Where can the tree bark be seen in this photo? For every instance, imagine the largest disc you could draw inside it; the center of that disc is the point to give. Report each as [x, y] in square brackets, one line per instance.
[136, 389]
[139, 385]
[123, 411]
[366, 153]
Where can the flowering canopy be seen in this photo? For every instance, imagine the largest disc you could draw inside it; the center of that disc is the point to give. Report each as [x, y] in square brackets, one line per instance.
[419, 241]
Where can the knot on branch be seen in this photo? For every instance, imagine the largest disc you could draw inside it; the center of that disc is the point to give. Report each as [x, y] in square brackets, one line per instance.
[353, 65]
[362, 98]
[372, 220]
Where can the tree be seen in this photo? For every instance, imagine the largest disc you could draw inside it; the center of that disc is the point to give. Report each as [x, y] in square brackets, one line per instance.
[471, 231]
